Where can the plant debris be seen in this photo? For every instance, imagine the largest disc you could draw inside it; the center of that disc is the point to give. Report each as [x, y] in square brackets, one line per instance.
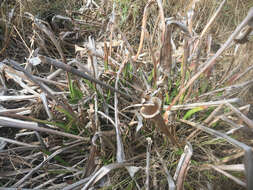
[96, 94]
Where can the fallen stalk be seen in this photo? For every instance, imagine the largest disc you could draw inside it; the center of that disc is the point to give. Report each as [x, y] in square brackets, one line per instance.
[81, 74]
[14, 123]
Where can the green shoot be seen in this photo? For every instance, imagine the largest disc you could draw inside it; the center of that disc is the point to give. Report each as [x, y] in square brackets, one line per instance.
[192, 111]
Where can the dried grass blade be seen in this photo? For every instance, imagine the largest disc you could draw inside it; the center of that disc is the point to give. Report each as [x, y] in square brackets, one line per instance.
[52, 37]
[19, 81]
[248, 150]
[241, 115]
[170, 180]
[27, 176]
[248, 159]
[200, 104]
[238, 181]
[18, 98]
[48, 182]
[17, 142]
[211, 61]
[208, 25]
[185, 61]
[43, 97]
[58, 71]
[90, 165]
[242, 74]
[112, 23]
[77, 184]
[190, 14]
[227, 114]
[42, 86]
[80, 74]
[166, 51]
[213, 114]
[143, 26]
[217, 134]
[153, 112]
[8, 122]
[17, 111]
[14, 173]
[102, 172]
[233, 167]
[228, 88]
[182, 166]
[120, 155]
[161, 15]
[148, 163]
[5, 188]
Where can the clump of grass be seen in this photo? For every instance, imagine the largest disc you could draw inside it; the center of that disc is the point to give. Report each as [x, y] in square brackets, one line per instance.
[130, 54]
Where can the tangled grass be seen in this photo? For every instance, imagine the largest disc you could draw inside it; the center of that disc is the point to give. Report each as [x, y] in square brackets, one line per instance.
[126, 94]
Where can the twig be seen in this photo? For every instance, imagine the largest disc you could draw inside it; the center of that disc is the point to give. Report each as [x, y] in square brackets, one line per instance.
[51, 81]
[58, 71]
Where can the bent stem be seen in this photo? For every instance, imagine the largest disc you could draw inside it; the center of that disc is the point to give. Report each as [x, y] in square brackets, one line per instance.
[152, 111]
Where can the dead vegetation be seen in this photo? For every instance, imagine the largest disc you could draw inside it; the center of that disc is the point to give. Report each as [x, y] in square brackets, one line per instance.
[126, 94]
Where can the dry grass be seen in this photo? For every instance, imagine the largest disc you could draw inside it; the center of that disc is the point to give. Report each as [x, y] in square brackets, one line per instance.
[81, 127]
